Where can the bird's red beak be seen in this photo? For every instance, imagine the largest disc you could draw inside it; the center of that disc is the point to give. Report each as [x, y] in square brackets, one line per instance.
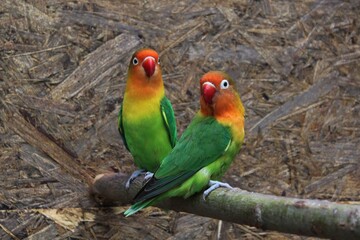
[208, 91]
[149, 66]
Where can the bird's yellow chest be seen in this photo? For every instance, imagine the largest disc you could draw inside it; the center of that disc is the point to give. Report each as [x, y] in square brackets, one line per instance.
[136, 110]
[141, 100]
[140, 110]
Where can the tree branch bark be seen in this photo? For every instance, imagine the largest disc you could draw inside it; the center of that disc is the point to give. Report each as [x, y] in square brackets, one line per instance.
[288, 215]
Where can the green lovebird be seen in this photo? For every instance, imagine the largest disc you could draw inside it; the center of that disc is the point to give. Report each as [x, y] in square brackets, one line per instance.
[146, 119]
[204, 151]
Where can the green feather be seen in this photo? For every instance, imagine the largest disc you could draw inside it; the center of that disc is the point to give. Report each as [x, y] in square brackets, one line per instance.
[203, 142]
[169, 119]
[121, 127]
[151, 136]
[137, 207]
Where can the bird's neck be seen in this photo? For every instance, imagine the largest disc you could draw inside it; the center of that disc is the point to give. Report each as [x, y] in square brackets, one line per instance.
[144, 89]
[230, 112]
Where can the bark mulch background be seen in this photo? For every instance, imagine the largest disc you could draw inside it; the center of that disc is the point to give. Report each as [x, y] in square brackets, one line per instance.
[62, 75]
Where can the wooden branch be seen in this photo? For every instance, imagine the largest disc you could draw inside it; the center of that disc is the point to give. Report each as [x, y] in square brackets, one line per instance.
[289, 215]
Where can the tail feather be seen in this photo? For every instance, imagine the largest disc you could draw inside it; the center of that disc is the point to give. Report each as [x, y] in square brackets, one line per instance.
[137, 207]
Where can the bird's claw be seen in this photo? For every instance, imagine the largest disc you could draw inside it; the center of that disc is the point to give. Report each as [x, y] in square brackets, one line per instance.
[133, 176]
[148, 176]
[214, 185]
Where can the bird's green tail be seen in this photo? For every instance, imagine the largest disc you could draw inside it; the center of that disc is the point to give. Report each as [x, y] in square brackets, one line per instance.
[137, 207]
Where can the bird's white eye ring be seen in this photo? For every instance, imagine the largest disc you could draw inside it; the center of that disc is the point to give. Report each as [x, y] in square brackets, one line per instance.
[135, 61]
[224, 84]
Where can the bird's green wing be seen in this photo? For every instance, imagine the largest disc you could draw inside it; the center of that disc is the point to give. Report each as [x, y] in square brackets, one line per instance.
[121, 127]
[169, 119]
[204, 141]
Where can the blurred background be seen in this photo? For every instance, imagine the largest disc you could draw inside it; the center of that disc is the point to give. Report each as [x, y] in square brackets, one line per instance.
[63, 67]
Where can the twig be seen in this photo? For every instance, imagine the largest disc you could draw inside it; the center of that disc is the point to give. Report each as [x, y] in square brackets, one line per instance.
[312, 94]
[8, 232]
[289, 215]
[181, 39]
[40, 51]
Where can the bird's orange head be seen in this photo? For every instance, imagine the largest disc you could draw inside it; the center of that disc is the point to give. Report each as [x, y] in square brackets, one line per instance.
[145, 62]
[219, 97]
[144, 74]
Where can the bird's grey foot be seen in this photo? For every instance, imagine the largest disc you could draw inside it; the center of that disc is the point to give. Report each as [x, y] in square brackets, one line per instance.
[214, 185]
[148, 176]
[134, 175]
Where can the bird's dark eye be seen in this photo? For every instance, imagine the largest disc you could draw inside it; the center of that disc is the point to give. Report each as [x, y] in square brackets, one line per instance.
[224, 84]
[159, 61]
[135, 61]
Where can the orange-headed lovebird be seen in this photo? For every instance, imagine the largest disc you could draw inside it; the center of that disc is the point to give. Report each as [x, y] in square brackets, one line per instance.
[206, 148]
[146, 119]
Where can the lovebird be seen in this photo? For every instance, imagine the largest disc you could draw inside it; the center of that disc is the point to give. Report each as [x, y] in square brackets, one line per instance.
[146, 120]
[206, 148]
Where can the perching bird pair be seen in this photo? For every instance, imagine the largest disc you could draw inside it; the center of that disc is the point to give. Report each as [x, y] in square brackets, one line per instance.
[148, 128]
